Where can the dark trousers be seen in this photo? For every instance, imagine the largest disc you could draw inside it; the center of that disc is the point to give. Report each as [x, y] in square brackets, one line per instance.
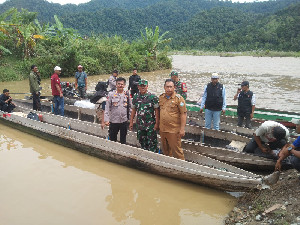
[133, 92]
[295, 161]
[252, 147]
[36, 102]
[7, 108]
[247, 119]
[114, 129]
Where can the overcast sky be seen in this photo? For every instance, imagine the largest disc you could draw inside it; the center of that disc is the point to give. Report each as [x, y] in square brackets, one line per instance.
[84, 1]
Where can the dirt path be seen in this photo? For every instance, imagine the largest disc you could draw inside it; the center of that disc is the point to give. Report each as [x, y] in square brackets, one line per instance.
[278, 205]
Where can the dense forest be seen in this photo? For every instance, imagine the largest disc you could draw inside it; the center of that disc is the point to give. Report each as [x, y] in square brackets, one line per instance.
[24, 41]
[212, 25]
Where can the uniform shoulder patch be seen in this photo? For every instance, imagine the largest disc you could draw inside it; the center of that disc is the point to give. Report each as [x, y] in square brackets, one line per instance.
[162, 94]
[181, 104]
[178, 95]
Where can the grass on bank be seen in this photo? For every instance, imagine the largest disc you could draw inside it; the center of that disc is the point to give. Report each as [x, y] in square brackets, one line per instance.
[259, 53]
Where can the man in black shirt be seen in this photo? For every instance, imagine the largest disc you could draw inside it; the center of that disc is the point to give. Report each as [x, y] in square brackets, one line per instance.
[133, 83]
[6, 103]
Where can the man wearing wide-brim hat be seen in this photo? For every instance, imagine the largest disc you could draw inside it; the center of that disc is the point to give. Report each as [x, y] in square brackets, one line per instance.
[214, 101]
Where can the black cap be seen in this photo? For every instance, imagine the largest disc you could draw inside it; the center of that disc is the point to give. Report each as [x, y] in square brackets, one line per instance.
[5, 90]
[115, 71]
[279, 133]
[245, 83]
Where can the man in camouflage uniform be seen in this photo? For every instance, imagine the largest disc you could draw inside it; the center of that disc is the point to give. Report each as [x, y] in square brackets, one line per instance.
[180, 88]
[147, 108]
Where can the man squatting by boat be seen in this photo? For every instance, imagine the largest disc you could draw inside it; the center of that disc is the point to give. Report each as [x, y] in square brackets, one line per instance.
[269, 136]
[6, 103]
[291, 150]
[214, 102]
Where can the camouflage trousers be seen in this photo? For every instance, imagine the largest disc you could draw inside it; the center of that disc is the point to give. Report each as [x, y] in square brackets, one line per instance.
[148, 139]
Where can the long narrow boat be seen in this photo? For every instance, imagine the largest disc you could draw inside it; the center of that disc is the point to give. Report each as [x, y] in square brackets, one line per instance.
[214, 146]
[260, 114]
[89, 115]
[197, 168]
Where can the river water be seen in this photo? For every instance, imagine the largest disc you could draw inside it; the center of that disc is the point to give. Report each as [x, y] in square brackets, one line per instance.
[44, 183]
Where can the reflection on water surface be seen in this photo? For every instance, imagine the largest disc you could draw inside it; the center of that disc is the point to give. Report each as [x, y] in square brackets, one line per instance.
[44, 183]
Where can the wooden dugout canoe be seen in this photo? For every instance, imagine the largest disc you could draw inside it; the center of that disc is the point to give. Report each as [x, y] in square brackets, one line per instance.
[197, 169]
[214, 147]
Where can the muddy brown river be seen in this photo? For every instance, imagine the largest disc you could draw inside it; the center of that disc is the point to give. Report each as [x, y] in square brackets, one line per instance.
[44, 183]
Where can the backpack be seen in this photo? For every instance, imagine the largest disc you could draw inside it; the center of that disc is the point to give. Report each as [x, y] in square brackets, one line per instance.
[33, 116]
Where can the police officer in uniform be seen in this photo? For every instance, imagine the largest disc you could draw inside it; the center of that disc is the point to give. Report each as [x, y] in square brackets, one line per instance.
[147, 108]
[112, 80]
[180, 88]
[214, 99]
[172, 120]
[117, 111]
[246, 104]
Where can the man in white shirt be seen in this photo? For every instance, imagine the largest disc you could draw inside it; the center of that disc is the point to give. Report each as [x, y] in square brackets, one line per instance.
[269, 136]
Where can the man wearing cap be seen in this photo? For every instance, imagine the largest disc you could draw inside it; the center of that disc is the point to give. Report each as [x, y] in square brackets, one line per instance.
[269, 136]
[117, 111]
[57, 93]
[172, 120]
[81, 81]
[34, 83]
[133, 82]
[112, 80]
[6, 104]
[147, 108]
[180, 88]
[214, 100]
[246, 104]
[292, 150]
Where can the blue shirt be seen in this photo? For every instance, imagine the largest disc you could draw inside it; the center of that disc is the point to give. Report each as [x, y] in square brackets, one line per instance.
[297, 142]
[205, 96]
[80, 76]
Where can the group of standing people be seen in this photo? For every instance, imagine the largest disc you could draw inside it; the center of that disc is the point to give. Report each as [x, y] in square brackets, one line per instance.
[166, 113]
[214, 102]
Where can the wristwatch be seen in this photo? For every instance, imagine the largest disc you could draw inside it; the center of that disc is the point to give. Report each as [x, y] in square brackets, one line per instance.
[289, 148]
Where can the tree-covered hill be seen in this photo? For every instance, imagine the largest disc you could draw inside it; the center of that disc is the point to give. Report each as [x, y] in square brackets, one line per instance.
[193, 24]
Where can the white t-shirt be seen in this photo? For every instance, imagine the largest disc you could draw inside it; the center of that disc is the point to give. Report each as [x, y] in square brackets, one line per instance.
[265, 131]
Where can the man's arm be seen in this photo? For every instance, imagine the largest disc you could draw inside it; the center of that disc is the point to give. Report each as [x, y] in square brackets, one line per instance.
[237, 94]
[58, 89]
[85, 83]
[253, 106]
[182, 124]
[259, 143]
[107, 110]
[133, 111]
[224, 99]
[156, 126]
[33, 84]
[76, 84]
[203, 99]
